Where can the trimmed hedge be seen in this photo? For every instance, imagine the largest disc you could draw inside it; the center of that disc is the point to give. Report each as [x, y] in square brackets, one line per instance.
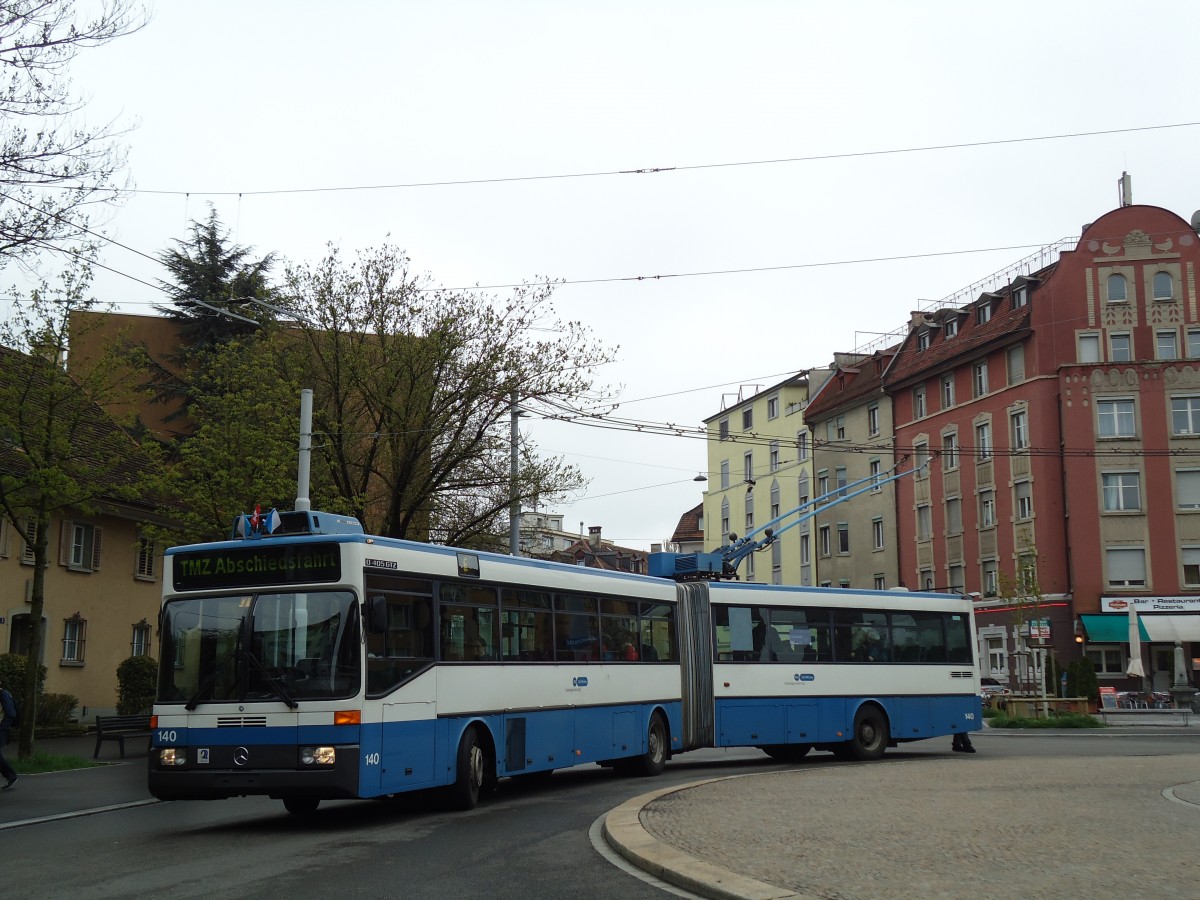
[137, 680]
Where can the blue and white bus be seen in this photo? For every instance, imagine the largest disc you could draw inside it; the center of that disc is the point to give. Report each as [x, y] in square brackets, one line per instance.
[319, 662]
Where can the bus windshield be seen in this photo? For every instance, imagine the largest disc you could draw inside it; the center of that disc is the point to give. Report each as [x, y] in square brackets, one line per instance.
[288, 646]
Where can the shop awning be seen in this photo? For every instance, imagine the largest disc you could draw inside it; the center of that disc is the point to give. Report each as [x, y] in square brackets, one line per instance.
[1113, 628]
[1169, 629]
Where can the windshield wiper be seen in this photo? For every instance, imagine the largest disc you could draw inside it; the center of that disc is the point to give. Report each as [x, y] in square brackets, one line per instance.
[280, 690]
[211, 678]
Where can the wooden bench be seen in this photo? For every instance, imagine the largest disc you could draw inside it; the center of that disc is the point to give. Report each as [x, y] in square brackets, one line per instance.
[117, 728]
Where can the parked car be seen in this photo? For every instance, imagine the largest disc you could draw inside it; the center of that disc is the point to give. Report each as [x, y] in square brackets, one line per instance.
[990, 689]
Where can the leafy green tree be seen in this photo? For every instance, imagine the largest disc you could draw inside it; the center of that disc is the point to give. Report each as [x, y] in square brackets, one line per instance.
[1082, 680]
[53, 167]
[413, 390]
[59, 451]
[241, 449]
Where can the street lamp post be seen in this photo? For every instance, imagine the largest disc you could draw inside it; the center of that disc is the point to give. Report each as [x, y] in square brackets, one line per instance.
[514, 507]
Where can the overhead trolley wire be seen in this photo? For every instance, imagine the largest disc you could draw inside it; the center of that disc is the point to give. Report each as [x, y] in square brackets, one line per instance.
[655, 170]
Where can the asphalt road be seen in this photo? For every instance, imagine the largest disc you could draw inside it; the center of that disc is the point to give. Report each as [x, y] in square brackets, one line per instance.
[530, 840]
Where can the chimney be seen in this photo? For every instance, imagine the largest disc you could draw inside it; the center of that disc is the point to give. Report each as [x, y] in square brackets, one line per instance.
[594, 536]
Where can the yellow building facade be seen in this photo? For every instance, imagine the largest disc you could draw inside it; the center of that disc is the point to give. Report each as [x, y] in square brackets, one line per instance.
[103, 589]
[760, 467]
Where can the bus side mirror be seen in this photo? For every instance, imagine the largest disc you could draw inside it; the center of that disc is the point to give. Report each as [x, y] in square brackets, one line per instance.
[377, 615]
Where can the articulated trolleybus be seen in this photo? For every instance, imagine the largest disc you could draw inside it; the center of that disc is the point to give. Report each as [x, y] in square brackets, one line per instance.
[317, 662]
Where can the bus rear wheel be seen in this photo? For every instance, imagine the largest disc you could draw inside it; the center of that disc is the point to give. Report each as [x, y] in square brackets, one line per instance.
[654, 760]
[301, 806]
[786, 752]
[468, 781]
[870, 734]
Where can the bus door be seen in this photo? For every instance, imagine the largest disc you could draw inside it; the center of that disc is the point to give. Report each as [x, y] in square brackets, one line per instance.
[400, 671]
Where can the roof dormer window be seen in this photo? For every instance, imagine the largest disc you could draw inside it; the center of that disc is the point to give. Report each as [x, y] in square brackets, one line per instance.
[950, 328]
[983, 313]
[923, 340]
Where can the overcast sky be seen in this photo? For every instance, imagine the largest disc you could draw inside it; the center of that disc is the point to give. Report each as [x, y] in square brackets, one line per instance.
[775, 115]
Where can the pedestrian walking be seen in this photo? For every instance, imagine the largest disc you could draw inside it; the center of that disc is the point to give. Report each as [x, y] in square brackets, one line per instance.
[962, 743]
[7, 721]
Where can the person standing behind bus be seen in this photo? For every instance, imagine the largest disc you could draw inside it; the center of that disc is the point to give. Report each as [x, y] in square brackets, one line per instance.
[962, 743]
[6, 723]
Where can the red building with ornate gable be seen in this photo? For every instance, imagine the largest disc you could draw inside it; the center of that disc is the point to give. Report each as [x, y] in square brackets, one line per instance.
[1060, 415]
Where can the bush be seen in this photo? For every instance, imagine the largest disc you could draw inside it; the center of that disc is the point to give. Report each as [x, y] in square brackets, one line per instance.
[12, 670]
[55, 709]
[137, 679]
[1082, 681]
[1067, 720]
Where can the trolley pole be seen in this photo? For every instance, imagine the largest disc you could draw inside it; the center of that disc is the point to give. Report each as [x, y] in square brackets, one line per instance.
[305, 450]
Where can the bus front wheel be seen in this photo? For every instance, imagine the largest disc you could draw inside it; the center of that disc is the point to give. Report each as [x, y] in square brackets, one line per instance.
[870, 734]
[464, 792]
[301, 806]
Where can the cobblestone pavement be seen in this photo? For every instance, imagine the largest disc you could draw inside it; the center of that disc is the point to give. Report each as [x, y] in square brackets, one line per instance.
[962, 827]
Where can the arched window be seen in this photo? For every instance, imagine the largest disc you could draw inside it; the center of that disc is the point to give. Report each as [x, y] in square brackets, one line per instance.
[1164, 286]
[1116, 288]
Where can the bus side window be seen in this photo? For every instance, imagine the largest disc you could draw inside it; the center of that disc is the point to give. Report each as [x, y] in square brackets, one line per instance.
[843, 635]
[657, 621]
[406, 645]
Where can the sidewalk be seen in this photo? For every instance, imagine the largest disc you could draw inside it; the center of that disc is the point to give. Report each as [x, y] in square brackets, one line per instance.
[118, 782]
[946, 827]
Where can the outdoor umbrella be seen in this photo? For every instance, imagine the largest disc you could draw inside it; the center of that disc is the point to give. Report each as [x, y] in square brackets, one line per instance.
[1135, 646]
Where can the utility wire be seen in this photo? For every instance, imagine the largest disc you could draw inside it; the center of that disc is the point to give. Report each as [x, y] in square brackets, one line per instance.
[656, 170]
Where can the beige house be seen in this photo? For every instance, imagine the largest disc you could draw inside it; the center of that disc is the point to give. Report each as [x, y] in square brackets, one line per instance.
[760, 467]
[855, 539]
[103, 590]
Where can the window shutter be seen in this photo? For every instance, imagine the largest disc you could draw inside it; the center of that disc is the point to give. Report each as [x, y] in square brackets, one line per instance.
[4, 530]
[1187, 484]
[1127, 565]
[97, 532]
[27, 544]
[67, 538]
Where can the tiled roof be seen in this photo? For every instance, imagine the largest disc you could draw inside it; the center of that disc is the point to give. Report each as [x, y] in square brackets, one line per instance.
[603, 556]
[860, 380]
[973, 336]
[688, 528]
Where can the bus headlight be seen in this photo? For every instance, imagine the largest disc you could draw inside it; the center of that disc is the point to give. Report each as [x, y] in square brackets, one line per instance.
[317, 756]
[172, 756]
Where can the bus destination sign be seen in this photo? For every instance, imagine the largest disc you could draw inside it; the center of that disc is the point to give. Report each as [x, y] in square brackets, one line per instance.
[200, 570]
